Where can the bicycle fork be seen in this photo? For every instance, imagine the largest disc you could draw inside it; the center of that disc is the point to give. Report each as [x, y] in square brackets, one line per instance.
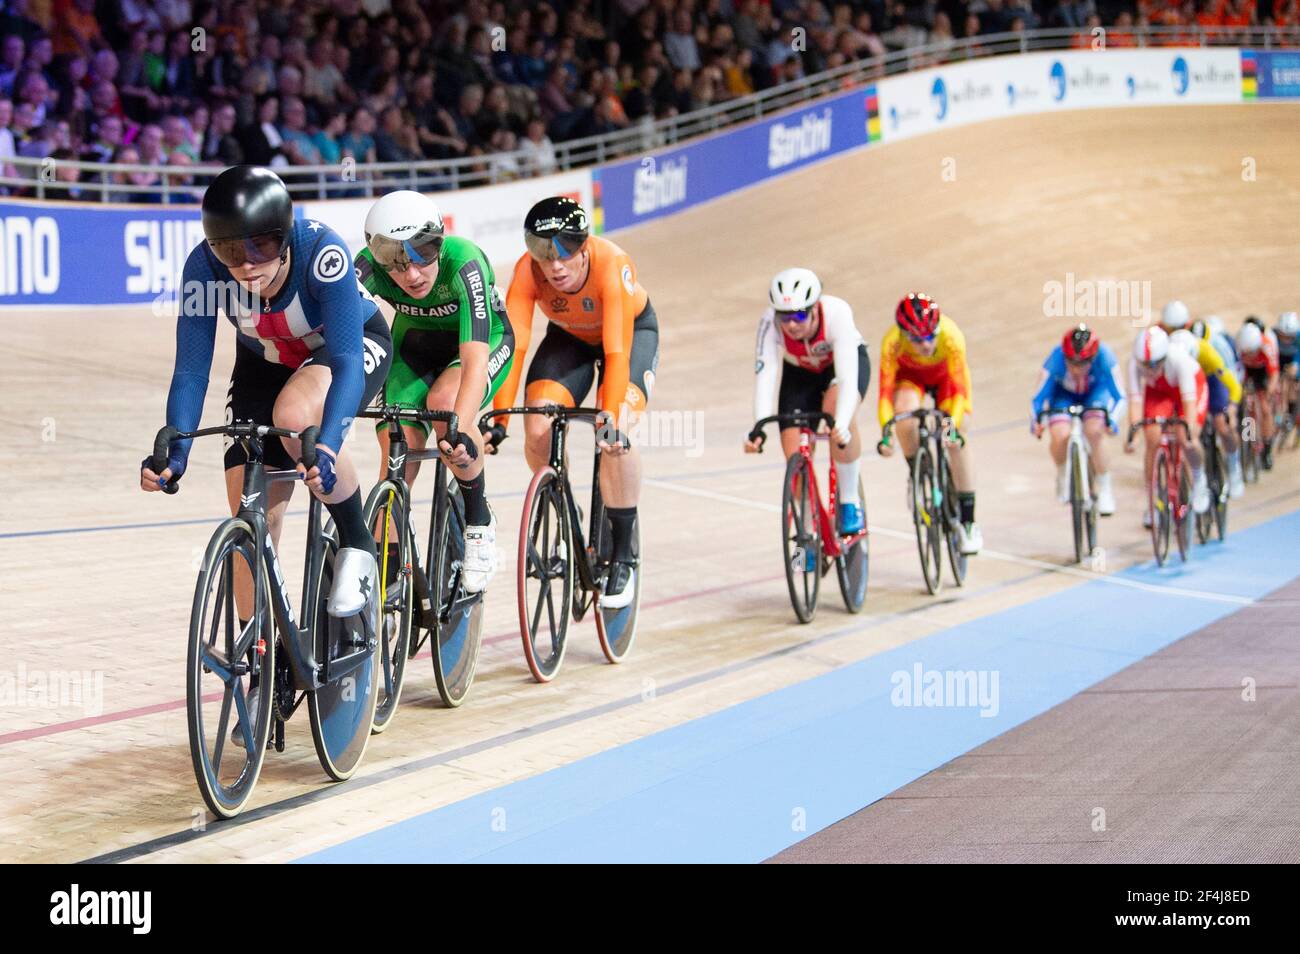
[1085, 477]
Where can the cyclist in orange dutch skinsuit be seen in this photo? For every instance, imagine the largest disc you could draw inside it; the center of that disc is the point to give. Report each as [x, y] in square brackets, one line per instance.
[598, 315]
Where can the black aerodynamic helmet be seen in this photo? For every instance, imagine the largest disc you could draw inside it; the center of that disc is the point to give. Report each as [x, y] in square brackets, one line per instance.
[247, 216]
[555, 228]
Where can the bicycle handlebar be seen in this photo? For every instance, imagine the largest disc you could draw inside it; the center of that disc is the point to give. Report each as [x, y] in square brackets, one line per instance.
[802, 419]
[921, 414]
[1162, 422]
[169, 435]
[1074, 410]
[394, 415]
[587, 414]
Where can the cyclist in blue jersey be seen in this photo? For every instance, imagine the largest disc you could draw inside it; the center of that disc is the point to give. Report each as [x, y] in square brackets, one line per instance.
[312, 348]
[1080, 370]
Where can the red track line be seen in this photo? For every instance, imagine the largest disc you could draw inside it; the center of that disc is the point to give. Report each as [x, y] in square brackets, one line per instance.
[56, 728]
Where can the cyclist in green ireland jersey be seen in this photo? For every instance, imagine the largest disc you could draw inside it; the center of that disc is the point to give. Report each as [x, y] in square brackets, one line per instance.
[452, 343]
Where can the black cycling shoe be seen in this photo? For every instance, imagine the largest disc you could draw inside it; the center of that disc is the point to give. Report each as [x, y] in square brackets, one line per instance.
[620, 585]
[1268, 456]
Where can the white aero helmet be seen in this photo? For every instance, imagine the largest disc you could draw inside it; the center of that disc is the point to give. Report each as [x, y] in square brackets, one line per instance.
[1184, 340]
[1288, 323]
[1152, 345]
[1175, 316]
[402, 229]
[1249, 339]
[1215, 324]
[795, 289]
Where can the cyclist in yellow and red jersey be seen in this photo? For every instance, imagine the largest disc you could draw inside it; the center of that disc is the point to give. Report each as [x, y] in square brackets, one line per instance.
[925, 353]
[599, 315]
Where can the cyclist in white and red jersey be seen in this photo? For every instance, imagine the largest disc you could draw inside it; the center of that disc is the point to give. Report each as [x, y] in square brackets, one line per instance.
[809, 341]
[1257, 350]
[1168, 382]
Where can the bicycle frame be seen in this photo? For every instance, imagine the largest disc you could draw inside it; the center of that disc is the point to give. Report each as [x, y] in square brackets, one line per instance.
[308, 672]
[831, 541]
[399, 454]
[833, 544]
[588, 577]
[1172, 444]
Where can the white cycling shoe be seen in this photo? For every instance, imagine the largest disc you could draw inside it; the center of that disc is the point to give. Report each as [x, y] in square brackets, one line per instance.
[1236, 483]
[1105, 496]
[480, 556]
[355, 587]
[972, 540]
[620, 586]
[1200, 493]
[1146, 519]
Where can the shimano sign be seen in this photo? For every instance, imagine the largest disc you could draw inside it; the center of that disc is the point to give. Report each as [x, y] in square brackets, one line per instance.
[29, 255]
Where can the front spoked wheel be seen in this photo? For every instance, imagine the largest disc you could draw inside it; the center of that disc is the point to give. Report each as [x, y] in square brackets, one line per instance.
[343, 709]
[927, 517]
[387, 518]
[854, 562]
[1158, 499]
[801, 538]
[616, 627]
[228, 722]
[1078, 505]
[459, 628]
[952, 529]
[545, 575]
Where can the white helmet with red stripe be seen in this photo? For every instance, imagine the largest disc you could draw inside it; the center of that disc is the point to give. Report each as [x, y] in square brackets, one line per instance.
[1152, 345]
[795, 289]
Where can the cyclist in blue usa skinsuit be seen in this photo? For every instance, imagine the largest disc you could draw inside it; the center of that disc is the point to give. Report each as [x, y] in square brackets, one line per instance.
[312, 348]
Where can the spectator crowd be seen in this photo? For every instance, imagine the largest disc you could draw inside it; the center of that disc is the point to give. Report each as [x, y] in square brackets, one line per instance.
[286, 83]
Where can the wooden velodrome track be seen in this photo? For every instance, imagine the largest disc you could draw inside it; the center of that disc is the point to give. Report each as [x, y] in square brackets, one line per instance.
[1142, 194]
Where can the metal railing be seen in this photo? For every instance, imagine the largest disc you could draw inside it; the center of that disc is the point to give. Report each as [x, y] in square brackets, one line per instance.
[103, 181]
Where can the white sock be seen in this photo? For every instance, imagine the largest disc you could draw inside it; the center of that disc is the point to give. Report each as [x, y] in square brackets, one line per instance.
[846, 476]
[1234, 459]
[1103, 482]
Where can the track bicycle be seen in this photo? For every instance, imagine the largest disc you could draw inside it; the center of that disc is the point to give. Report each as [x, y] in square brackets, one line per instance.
[560, 573]
[932, 497]
[257, 671]
[422, 600]
[810, 539]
